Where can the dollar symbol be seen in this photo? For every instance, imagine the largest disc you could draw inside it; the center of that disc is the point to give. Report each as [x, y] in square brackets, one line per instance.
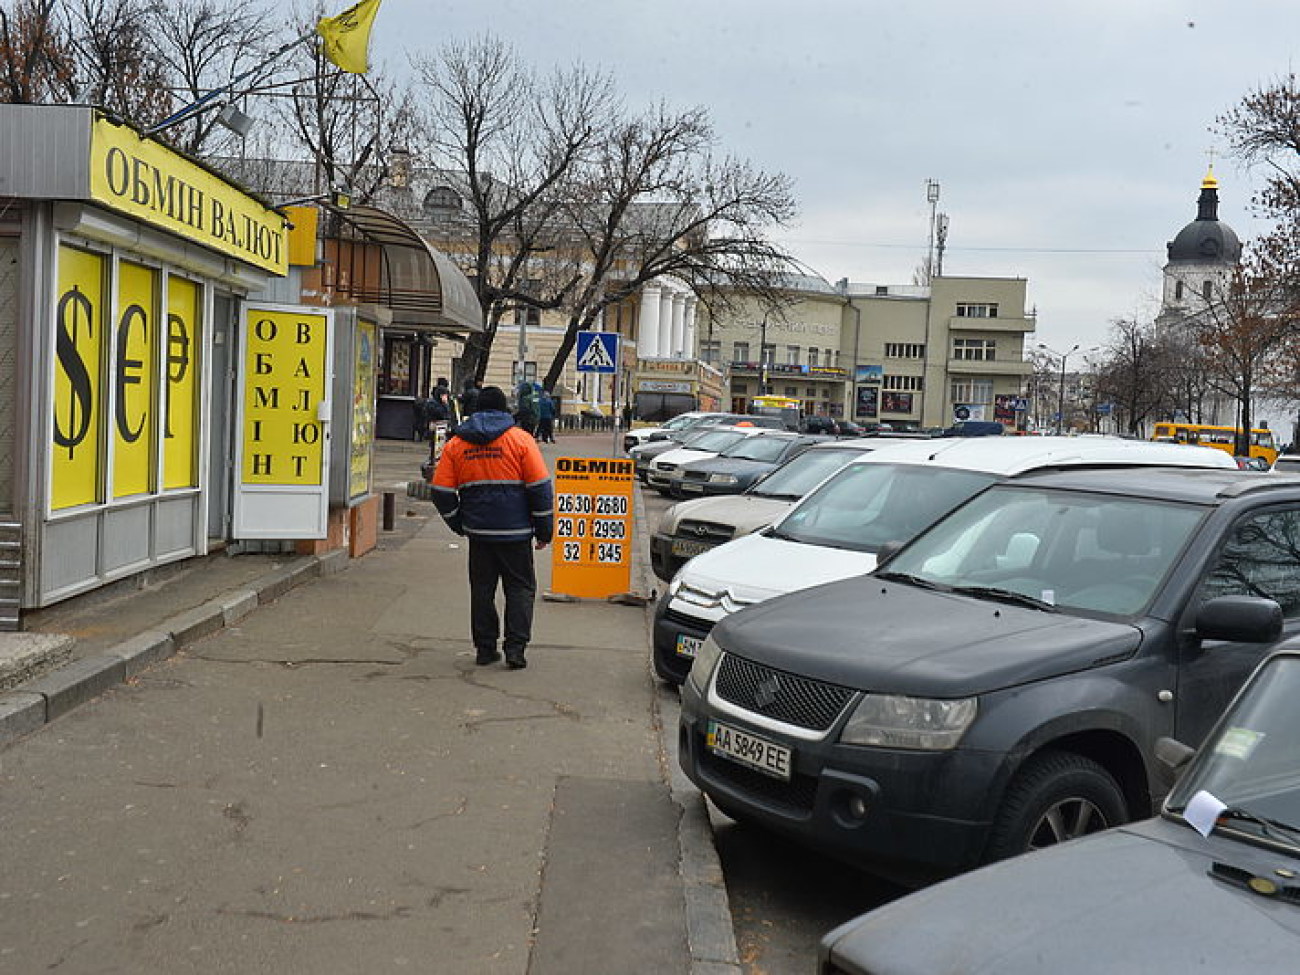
[72, 306]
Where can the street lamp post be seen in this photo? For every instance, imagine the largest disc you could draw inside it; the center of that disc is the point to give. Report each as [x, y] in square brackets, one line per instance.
[1060, 393]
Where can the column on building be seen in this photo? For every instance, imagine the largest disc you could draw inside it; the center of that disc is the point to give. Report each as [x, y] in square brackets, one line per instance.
[692, 349]
[665, 322]
[679, 325]
[647, 333]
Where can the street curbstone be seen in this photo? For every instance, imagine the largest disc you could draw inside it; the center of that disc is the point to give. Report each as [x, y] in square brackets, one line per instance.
[21, 712]
[78, 682]
[238, 605]
[143, 651]
[274, 584]
[195, 624]
[334, 562]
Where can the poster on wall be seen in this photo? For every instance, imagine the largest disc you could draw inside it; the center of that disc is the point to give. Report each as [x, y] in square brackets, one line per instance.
[865, 403]
[135, 385]
[284, 386]
[893, 402]
[364, 361]
[76, 454]
[868, 374]
[181, 388]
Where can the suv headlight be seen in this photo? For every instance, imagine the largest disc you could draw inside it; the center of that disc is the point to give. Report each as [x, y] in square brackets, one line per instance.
[723, 479]
[706, 658]
[893, 721]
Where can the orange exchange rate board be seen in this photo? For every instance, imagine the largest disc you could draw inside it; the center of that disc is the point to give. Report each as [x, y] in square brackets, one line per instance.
[592, 551]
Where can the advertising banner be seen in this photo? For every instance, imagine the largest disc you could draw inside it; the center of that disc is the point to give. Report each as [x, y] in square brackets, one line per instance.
[866, 403]
[183, 340]
[135, 379]
[80, 343]
[894, 402]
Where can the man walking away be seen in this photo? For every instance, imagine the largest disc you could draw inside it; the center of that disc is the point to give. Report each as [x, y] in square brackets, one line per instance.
[545, 417]
[491, 485]
[469, 398]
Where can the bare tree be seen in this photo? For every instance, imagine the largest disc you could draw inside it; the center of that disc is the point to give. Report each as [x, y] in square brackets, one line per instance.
[1138, 372]
[115, 62]
[657, 203]
[35, 58]
[203, 45]
[511, 142]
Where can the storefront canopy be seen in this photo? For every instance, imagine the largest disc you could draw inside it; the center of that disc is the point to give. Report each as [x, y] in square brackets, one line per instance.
[422, 286]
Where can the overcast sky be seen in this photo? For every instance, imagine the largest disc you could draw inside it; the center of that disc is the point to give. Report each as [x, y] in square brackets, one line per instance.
[1069, 139]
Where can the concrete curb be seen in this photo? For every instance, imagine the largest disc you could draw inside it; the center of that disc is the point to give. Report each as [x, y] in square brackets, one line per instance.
[710, 931]
[26, 708]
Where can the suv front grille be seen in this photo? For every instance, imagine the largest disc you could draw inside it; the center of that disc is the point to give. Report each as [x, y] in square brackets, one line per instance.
[705, 531]
[795, 797]
[779, 695]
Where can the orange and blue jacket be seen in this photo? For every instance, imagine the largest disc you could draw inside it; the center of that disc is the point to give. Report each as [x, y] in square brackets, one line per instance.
[491, 482]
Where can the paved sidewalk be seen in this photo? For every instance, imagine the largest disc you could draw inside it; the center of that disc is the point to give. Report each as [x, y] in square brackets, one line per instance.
[304, 771]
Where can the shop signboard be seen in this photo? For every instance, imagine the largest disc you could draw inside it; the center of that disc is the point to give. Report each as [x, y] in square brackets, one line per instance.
[284, 399]
[591, 554]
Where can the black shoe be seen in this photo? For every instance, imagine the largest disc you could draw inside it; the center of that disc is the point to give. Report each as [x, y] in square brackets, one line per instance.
[485, 657]
[516, 661]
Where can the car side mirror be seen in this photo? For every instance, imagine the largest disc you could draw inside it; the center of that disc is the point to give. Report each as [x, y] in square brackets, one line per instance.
[887, 552]
[1172, 757]
[657, 436]
[1240, 619]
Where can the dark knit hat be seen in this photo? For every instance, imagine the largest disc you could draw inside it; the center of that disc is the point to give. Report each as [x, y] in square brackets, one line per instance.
[493, 398]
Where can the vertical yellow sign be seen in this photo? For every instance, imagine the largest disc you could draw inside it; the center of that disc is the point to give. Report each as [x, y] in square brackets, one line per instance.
[284, 384]
[79, 342]
[363, 408]
[181, 359]
[592, 551]
[135, 379]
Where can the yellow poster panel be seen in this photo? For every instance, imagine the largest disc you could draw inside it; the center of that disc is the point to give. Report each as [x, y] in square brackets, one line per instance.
[181, 389]
[79, 342]
[363, 408]
[284, 383]
[135, 380]
[592, 551]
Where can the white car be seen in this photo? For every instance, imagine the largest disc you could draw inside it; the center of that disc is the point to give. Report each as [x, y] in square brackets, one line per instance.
[659, 473]
[889, 495]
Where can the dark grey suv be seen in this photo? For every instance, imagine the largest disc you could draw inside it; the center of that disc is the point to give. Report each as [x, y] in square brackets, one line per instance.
[999, 683]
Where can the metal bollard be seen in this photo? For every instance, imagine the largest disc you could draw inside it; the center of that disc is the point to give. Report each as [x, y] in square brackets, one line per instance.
[390, 508]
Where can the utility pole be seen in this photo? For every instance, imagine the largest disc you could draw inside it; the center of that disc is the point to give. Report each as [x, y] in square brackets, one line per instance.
[932, 195]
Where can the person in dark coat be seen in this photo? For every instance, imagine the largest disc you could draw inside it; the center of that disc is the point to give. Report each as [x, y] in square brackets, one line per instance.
[491, 485]
[545, 417]
[469, 398]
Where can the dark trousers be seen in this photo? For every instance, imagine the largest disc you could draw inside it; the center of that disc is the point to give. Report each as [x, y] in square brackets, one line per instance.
[511, 564]
[546, 430]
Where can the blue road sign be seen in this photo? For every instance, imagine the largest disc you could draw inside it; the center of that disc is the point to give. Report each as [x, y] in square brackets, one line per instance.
[597, 352]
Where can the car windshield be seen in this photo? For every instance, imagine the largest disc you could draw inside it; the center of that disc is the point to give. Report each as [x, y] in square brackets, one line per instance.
[714, 440]
[797, 477]
[757, 448]
[1251, 764]
[865, 506]
[1072, 550]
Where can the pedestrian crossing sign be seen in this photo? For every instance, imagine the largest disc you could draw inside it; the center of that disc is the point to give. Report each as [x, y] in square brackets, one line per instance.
[597, 351]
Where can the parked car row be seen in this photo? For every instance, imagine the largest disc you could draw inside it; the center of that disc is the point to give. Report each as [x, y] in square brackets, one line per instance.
[948, 654]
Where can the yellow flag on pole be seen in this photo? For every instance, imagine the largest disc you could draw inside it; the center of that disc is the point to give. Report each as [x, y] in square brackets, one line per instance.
[347, 36]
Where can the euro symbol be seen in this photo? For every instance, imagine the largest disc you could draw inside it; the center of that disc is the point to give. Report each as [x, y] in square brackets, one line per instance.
[124, 378]
[71, 308]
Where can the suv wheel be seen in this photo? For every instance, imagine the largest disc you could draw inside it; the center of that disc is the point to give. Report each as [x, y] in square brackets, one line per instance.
[1057, 796]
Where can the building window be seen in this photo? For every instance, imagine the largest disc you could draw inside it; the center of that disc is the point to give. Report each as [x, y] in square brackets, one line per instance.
[792, 391]
[739, 351]
[972, 392]
[905, 383]
[769, 353]
[532, 317]
[974, 350]
[904, 350]
[1207, 290]
[740, 388]
[813, 355]
[711, 350]
[1178, 291]
[967, 309]
[792, 355]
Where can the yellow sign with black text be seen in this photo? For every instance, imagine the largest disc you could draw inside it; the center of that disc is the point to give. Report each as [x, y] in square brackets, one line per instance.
[284, 387]
[135, 371]
[181, 357]
[591, 554]
[79, 343]
[146, 180]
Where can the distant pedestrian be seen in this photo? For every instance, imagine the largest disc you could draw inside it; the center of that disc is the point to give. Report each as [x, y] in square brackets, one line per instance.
[526, 407]
[545, 417]
[469, 398]
[491, 485]
[440, 401]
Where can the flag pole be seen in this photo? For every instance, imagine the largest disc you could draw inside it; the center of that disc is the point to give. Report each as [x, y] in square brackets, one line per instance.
[195, 107]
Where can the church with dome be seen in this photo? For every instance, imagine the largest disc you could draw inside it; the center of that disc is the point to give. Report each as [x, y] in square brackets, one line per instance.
[1200, 261]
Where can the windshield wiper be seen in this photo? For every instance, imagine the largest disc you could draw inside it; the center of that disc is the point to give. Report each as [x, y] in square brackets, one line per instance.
[911, 580]
[1005, 596]
[1267, 825]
